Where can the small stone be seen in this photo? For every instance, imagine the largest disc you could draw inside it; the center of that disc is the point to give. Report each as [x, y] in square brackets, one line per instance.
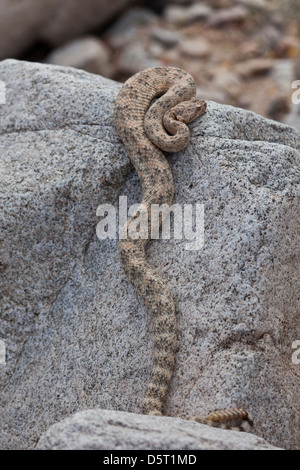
[221, 3]
[88, 53]
[166, 37]
[254, 67]
[226, 16]
[256, 4]
[156, 50]
[227, 81]
[134, 57]
[196, 12]
[269, 39]
[197, 47]
[180, 15]
[175, 14]
[127, 27]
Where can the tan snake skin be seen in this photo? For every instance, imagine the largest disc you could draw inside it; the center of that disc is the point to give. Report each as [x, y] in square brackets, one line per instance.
[142, 129]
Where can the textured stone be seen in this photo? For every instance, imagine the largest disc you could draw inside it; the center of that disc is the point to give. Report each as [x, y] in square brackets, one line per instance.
[77, 334]
[259, 4]
[51, 21]
[196, 47]
[135, 57]
[88, 53]
[223, 17]
[197, 11]
[227, 81]
[175, 14]
[167, 37]
[269, 40]
[111, 430]
[126, 28]
[184, 15]
[254, 67]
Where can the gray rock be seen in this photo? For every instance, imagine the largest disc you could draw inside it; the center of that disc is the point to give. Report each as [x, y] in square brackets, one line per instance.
[256, 66]
[269, 38]
[196, 47]
[225, 16]
[183, 15]
[126, 28]
[112, 430]
[256, 4]
[166, 37]
[135, 57]
[51, 21]
[197, 11]
[77, 335]
[227, 81]
[88, 53]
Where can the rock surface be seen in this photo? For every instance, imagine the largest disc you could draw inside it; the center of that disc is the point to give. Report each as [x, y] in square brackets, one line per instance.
[77, 335]
[110, 430]
[51, 21]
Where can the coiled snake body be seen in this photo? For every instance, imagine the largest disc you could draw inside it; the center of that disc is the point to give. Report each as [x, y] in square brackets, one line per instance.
[142, 129]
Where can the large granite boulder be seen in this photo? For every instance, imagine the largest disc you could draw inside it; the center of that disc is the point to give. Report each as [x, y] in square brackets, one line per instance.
[77, 335]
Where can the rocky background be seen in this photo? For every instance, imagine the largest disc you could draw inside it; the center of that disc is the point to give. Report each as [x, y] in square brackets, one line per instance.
[241, 52]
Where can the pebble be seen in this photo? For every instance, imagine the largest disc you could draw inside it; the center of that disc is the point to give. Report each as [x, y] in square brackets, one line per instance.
[269, 38]
[174, 14]
[156, 50]
[197, 47]
[167, 37]
[226, 16]
[257, 4]
[135, 57]
[227, 81]
[181, 16]
[125, 29]
[197, 11]
[254, 67]
[88, 53]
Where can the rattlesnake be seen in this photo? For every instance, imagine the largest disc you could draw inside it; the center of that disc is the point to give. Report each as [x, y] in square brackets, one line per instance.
[141, 128]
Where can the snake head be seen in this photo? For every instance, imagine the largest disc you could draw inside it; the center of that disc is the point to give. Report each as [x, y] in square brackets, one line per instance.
[187, 111]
